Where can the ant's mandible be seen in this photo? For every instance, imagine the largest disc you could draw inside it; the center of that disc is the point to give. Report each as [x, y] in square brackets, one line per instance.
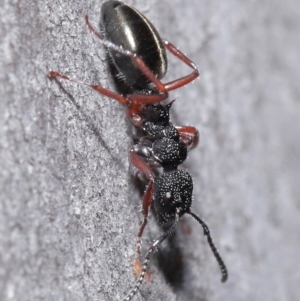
[138, 54]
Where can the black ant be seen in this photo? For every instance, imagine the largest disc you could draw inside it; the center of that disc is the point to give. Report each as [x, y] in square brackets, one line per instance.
[138, 55]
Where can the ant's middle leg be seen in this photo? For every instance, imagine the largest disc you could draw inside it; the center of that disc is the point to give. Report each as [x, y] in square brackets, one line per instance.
[189, 135]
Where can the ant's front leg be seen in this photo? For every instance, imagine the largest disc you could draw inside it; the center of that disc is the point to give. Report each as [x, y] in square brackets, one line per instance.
[143, 167]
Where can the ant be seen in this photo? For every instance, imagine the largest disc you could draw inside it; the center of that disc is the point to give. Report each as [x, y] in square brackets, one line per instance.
[138, 55]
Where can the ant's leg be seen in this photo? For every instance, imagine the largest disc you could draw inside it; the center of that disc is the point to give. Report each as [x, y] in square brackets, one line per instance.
[134, 97]
[142, 166]
[142, 67]
[182, 81]
[101, 90]
[162, 88]
[133, 107]
[189, 135]
[91, 28]
[147, 201]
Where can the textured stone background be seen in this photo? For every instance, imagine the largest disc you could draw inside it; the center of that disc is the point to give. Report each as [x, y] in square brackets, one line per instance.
[69, 211]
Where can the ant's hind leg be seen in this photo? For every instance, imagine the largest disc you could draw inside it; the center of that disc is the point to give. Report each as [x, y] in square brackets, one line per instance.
[99, 89]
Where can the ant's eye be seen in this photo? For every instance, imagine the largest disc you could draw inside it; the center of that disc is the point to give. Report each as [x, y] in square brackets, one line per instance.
[168, 197]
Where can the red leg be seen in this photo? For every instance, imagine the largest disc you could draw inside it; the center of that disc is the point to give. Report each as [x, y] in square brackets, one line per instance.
[147, 201]
[162, 88]
[91, 28]
[139, 99]
[180, 82]
[101, 90]
[189, 135]
[146, 206]
[140, 64]
[133, 106]
[142, 166]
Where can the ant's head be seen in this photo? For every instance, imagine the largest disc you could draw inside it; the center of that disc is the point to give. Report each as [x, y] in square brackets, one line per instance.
[158, 114]
[172, 194]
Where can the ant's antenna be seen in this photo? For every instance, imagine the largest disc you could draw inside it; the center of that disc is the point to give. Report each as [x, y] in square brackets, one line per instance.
[151, 250]
[212, 246]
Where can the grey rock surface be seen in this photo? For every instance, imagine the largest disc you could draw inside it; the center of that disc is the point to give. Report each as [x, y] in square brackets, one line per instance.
[69, 211]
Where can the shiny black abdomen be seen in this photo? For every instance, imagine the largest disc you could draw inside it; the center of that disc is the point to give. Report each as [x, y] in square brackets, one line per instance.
[126, 27]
